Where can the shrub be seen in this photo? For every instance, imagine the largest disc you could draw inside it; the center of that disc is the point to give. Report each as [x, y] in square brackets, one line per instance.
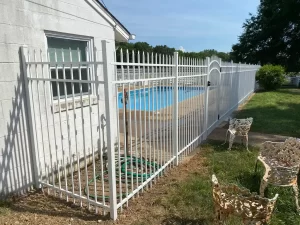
[270, 77]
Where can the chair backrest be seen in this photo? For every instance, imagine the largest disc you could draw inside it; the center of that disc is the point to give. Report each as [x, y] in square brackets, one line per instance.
[241, 202]
[286, 154]
[241, 126]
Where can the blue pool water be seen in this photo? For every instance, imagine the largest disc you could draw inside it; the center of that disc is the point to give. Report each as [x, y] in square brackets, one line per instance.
[156, 98]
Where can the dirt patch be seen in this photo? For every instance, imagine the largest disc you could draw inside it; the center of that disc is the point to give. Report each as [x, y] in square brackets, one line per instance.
[38, 208]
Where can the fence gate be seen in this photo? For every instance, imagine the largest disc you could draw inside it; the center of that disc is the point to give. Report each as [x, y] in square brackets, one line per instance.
[213, 104]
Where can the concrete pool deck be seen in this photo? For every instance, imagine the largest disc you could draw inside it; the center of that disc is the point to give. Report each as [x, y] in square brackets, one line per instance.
[184, 108]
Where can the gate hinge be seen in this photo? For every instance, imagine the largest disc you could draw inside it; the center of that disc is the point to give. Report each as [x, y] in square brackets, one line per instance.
[208, 83]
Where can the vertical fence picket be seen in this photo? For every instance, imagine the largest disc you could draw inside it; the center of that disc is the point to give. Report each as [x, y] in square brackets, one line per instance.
[206, 84]
[220, 97]
[175, 109]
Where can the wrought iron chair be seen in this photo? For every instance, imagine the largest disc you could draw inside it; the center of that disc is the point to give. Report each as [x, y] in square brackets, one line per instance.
[232, 200]
[281, 161]
[238, 127]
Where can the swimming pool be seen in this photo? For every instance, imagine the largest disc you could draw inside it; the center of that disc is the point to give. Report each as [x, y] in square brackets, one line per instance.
[156, 98]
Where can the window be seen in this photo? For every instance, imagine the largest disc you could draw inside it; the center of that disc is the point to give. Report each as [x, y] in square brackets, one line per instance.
[68, 50]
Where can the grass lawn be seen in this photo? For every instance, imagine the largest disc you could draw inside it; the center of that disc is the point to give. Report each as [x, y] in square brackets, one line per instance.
[275, 112]
[191, 200]
[182, 197]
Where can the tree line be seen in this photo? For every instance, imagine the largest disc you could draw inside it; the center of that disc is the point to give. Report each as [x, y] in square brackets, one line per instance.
[164, 50]
[272, 36]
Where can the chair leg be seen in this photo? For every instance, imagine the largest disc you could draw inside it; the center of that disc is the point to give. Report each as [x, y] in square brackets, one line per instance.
[296, 192]
[231, 138]
[218, 220]
[263, 185]
[246, 137]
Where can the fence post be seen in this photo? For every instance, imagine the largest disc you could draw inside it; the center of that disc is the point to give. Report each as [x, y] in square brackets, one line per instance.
[175, 109]
[207, 97]
[34, 155]
[231, 91]
[220, 98]
[239, 89]
[108, 86]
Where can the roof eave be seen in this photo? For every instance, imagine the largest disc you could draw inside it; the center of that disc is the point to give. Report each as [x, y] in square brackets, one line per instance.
[125, 35]
[118, 26]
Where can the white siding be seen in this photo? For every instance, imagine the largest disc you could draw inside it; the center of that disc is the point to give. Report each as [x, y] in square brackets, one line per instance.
[24, 22]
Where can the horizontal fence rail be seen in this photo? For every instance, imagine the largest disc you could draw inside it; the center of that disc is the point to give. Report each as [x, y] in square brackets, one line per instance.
[102, 132]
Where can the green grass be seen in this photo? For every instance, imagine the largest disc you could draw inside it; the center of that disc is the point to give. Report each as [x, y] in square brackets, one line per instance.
[275, 112]
[190, 201]
[4, 208]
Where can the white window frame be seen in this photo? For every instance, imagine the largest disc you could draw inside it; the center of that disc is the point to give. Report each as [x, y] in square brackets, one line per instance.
[91, 74]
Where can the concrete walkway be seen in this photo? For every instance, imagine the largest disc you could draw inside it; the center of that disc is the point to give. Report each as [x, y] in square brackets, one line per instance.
[255, 139]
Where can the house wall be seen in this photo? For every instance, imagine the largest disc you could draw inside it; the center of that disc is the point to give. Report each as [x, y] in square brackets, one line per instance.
[23, 22]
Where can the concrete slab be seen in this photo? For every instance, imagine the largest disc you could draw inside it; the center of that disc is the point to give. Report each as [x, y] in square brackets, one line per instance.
[255, 139]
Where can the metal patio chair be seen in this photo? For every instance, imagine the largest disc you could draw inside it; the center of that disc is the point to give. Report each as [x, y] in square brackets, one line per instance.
[238, 127]
[232, 200]
[281, 161]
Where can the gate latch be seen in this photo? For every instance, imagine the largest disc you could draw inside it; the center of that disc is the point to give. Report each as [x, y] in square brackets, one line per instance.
[125, 98]
[208, 83]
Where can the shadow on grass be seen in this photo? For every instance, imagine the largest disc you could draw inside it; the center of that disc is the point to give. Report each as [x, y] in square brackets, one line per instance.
[250, 180]
[219, 146]
[289, 91]
[185, 221]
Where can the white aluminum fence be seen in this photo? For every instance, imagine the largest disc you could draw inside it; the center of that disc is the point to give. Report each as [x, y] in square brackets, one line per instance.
[295, 81]
[101, 138]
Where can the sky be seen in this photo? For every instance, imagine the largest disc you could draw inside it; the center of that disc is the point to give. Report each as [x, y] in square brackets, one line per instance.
[190, 25]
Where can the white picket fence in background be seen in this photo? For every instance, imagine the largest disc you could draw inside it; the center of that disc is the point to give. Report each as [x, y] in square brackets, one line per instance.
[93, 149]
[295, 81]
